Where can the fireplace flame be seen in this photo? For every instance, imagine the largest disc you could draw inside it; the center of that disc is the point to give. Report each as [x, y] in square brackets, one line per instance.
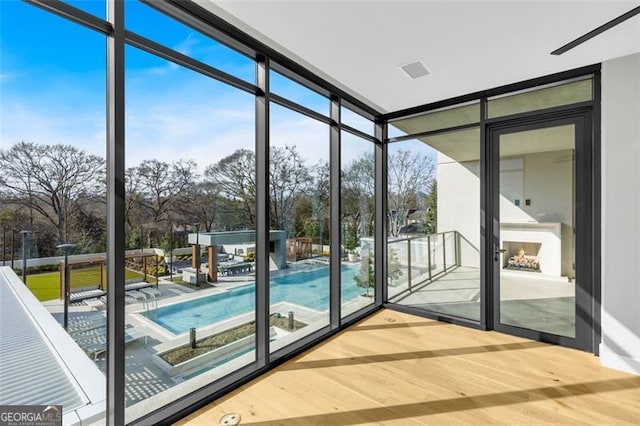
[522, 261]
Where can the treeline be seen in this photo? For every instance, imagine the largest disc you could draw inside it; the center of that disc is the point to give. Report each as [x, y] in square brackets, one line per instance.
[58, 193]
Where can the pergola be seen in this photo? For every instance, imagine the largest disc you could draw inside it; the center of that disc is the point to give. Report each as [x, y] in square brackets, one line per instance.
[100, 260]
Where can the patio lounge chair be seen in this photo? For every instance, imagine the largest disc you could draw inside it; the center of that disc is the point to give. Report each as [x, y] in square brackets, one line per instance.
[99, 346]
[95, 349]
[96, 304]
[80, 326]
[152, 292]
[137, 286]
[137, 295]
[78, 296]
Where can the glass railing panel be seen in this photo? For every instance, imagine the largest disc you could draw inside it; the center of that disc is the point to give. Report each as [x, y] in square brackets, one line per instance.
[419, 260]
[397, 267]
[451, 258]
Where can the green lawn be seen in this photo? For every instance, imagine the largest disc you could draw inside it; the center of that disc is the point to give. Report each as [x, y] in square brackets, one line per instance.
[47, 286]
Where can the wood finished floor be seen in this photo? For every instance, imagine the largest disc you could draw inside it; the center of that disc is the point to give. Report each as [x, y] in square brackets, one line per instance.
[394, 368]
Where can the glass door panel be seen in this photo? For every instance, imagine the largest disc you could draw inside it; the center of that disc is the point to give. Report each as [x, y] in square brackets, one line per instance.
[536, 211]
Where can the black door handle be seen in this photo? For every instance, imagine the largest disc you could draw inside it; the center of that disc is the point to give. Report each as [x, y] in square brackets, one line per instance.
[496, 253]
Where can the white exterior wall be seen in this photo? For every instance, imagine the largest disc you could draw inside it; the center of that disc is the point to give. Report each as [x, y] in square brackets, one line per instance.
[620, 347]
[546, 179]
[459, 205]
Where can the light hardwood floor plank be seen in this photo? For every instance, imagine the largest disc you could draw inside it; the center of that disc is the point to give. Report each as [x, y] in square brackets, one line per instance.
[399, 369]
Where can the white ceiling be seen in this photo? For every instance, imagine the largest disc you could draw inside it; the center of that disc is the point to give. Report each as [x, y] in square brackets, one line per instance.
[468, 45]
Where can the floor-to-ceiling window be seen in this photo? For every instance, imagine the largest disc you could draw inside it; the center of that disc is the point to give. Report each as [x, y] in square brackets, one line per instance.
[491, 210]
[358, 220]
[194, 123]
[434, 212]
[190, 195]
[299, 195]
[52, 210]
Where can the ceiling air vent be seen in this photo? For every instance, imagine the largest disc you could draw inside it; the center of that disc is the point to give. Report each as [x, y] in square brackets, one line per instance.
[415, 69]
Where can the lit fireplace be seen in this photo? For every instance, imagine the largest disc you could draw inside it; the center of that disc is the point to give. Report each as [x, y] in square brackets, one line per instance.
[521, 256]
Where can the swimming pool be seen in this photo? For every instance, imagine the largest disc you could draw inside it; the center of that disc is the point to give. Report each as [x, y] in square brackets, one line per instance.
[307, 288]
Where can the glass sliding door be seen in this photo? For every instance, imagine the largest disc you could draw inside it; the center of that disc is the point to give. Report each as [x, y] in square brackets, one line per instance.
[538, 188]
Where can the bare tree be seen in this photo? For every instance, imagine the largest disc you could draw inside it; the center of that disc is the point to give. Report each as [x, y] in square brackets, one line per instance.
[161, 183]
[50, 179]
[133, 198]
[358, 190]
[234, 179]
[289, 180]
[321, 193]
[203, 203]
[154, 189]
[410, 176]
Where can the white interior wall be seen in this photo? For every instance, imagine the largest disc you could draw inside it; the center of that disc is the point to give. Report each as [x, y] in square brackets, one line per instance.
[620, 347]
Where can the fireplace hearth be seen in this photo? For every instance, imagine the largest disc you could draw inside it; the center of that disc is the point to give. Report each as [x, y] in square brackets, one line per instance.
[522, 256]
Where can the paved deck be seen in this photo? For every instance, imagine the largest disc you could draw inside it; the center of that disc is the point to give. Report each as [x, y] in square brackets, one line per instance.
[529, 300]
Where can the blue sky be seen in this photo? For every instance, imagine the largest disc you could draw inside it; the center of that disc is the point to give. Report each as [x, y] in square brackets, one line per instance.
[52, 90]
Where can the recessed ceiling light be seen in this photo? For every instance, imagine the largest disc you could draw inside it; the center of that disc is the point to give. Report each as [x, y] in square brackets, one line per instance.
[415, 69]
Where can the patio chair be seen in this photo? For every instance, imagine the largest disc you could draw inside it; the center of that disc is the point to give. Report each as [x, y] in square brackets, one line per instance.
[79, 326]
[137, 286]
[152, 292]
[136, 295]
[98, 346]
[132, 334]
[95, 349]
[78, 296]
[96, 304]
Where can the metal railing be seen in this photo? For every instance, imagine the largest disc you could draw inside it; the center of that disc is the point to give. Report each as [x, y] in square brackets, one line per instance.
[416, 261]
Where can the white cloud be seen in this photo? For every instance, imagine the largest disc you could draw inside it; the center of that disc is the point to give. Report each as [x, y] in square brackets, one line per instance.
[81, 128]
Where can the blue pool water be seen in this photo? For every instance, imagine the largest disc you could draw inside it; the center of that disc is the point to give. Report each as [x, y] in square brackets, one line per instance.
[308, 288]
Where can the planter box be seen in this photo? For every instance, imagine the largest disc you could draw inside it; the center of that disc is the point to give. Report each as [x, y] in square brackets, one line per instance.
[209, 358]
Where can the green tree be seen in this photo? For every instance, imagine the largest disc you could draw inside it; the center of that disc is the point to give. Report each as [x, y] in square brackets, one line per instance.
[431, 204]
[350, 237]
